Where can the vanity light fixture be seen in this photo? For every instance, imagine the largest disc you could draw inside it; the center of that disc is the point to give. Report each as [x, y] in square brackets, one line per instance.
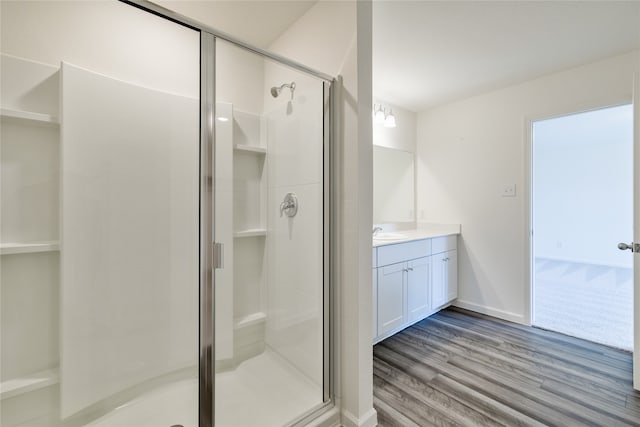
[381, 117]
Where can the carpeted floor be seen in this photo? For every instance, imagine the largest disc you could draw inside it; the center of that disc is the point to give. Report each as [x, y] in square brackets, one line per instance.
[586, 301]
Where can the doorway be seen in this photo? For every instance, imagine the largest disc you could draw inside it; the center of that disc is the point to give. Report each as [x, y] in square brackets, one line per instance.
[582, 207]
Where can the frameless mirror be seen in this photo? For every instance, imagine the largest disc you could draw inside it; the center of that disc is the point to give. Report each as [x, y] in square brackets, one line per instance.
[393, 185]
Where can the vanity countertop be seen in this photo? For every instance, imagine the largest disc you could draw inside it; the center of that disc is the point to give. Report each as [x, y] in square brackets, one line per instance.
[424, 231]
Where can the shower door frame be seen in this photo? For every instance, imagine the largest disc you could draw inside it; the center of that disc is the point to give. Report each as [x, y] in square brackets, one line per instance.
[210, 254]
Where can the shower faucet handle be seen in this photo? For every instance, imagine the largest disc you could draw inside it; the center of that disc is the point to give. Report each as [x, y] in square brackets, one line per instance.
[289, 205]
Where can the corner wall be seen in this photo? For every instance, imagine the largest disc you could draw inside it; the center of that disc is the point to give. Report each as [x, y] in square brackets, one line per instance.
[468, 149]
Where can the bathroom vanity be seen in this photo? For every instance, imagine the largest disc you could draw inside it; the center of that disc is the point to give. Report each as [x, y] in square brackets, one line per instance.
[415, 274]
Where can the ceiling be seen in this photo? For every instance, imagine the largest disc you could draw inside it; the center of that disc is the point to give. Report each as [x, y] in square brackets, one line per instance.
[257, 22]
[427, 53]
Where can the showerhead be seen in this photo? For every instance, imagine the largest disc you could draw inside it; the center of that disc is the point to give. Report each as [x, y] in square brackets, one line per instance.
[275, 91]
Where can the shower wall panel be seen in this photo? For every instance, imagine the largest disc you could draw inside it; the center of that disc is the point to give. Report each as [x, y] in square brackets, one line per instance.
[129, 236]
[294, 286]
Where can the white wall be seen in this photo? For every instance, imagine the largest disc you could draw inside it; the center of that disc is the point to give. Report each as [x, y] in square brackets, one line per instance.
[583, 186]
[468, 149]
[335, 37]
[83, 33]
[239, 77]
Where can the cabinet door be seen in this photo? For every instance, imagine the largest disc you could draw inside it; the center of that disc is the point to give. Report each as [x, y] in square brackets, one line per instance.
[418, 288]
[390, 297]
[439, 280]
[374, 308]
[452, 275]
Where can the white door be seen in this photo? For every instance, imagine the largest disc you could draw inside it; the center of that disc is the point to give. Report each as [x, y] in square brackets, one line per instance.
[439, 280]
[452, 275]
[636, 230]
[418, 288]
[390, 297]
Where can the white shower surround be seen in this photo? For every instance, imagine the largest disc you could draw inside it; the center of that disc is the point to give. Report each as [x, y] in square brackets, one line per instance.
[129, 238]
[295, 260]
[61, 45]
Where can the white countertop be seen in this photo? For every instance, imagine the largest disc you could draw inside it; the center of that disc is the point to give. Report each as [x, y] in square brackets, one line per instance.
[424, 231]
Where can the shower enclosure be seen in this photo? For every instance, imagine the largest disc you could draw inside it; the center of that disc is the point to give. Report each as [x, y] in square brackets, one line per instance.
[165, 224]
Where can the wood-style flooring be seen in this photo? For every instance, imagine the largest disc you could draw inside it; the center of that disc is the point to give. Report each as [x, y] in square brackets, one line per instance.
[462, 368]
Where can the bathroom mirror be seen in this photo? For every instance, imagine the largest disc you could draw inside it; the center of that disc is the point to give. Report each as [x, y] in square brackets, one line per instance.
[393, 185]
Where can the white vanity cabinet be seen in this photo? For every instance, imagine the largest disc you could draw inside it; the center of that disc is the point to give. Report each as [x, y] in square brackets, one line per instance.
[411, 280]
[403, 293]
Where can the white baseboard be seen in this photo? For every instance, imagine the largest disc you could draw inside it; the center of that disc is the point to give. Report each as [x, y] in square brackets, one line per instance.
[370, 419]
[489, 311]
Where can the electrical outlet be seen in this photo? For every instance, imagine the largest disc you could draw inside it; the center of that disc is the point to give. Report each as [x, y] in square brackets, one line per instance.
[508, 190]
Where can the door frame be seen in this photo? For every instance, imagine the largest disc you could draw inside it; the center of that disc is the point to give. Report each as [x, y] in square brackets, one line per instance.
[635, 101]
[527, 199]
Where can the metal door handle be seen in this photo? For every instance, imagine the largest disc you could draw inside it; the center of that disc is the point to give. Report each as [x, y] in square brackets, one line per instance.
[631, 246]
[218, 255]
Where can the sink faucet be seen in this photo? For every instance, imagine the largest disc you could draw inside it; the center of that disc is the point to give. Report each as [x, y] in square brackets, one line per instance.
[376, 230]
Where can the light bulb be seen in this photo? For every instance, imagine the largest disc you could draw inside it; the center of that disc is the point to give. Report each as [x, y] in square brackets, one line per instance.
[380, 116]
[390, 120]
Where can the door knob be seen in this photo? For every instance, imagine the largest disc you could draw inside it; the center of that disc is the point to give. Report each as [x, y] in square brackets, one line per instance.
[624, 246]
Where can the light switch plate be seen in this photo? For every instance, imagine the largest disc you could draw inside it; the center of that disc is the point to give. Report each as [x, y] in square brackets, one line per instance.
[508, 190]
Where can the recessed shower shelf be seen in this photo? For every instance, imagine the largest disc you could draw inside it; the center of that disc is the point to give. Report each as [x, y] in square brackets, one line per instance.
[28, 248]
[29, 116]
[253, 232]
[250, 149]
[35, 381]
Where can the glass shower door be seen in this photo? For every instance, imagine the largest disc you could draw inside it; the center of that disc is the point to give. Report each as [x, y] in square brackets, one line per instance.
[270, 301]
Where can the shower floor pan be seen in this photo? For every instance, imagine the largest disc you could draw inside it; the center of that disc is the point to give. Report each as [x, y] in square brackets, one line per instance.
[264, 391]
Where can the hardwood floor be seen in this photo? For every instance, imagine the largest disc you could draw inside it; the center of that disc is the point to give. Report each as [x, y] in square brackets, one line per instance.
[462, 368]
